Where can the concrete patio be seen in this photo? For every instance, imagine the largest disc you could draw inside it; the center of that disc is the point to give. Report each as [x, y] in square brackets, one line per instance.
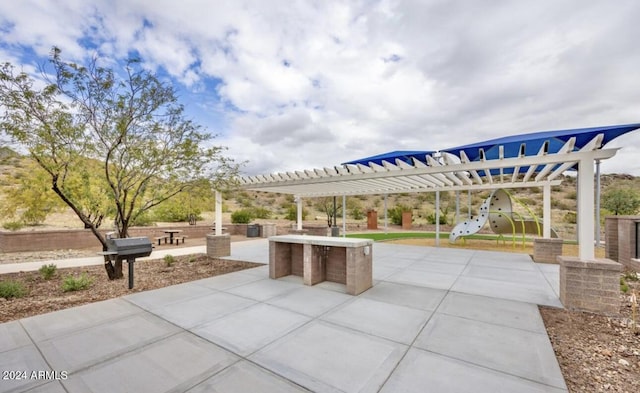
[436, 320]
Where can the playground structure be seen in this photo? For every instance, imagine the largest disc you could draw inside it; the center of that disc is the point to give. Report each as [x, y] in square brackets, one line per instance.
[497, 209]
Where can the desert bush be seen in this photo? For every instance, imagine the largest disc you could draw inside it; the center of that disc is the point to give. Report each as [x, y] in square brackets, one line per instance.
[242, 216]
[71, 283]
[356, 213]
[395, 213]
[292, 213]
[13, 225]
[48, 271]
[143, 220]
[623, 285]
[431, 218]
[261, 212]
[561, 205]
[11, 289]
[169, 260]
[621, 201]
[570, 217]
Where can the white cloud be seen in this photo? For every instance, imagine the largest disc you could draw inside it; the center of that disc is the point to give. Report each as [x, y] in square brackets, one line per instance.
[317, 83]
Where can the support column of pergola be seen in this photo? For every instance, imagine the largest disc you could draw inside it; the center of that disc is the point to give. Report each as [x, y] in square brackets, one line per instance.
[218, 244]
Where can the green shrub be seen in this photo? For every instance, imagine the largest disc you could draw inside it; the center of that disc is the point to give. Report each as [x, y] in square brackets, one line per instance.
[13, 225]
[11, 289]
[431, 218]
[48, 271]
[72, 283]
[242, 216]
[143, 220]
[169, 260]
[623, 286]
[395, 213]
[570, 218]
[292, 213]
[261, 212]
[356, 213]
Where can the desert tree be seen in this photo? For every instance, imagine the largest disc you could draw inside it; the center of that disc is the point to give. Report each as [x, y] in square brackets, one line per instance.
[114, 132]
[621, 201]
[326, 205]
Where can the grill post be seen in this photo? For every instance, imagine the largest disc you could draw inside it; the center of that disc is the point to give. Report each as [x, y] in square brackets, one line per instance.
[129, 249]
[130, 263]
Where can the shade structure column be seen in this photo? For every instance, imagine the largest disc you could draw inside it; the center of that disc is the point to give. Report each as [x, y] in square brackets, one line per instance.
[457, 205]
[546, 211]
[298, 213]
[385, 214]
[344, 216]
[585, 209]
[597, 203]
[218, 213]
[437, 218]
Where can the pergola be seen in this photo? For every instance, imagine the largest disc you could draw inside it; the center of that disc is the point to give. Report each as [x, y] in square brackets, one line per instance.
[519, 161]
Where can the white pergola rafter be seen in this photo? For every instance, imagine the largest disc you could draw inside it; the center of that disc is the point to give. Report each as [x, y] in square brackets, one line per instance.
[442, 172]
[400, 178]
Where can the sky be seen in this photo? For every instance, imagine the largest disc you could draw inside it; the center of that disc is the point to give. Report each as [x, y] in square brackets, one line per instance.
[293, 85]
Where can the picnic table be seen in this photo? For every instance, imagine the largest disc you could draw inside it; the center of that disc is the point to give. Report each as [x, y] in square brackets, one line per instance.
[171, 233]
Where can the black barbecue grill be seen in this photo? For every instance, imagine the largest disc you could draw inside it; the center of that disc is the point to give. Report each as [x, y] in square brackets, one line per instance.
[129, 249]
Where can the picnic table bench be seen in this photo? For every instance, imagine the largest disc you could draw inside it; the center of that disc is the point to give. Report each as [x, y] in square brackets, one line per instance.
[170, 239]
[159, 239]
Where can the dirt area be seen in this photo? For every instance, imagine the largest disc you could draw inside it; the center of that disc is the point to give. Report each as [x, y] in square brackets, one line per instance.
[596, 353]
[47, 295]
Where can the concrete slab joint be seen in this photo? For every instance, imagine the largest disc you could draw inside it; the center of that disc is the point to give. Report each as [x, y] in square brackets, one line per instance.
[590, 285]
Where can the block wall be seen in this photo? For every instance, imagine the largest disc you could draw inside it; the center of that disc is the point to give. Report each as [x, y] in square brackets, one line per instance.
[218, 246]
[590, 285]
[621, 240]
[336, 265]
[547, 250]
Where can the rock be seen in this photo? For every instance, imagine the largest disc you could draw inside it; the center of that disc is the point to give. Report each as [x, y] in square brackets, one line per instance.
[606, 352]
[623, 362]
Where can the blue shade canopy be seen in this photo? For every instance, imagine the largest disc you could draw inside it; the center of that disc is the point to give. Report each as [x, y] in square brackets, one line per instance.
[527, 144]
[403, 155]
[533, 141]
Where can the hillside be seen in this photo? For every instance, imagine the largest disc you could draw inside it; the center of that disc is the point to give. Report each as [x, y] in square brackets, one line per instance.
[276, 206]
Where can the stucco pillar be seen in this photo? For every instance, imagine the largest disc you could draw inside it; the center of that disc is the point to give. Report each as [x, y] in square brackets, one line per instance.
[546, 211]
[299, 213]
[585, 209]
[218, 213]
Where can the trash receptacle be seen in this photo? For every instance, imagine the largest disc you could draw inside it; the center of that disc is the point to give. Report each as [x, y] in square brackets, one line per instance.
[335, 231]
[253, 230]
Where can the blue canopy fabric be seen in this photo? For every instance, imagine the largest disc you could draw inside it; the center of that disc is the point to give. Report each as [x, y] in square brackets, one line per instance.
[533, 141]
[392, 156]
[512, 145]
